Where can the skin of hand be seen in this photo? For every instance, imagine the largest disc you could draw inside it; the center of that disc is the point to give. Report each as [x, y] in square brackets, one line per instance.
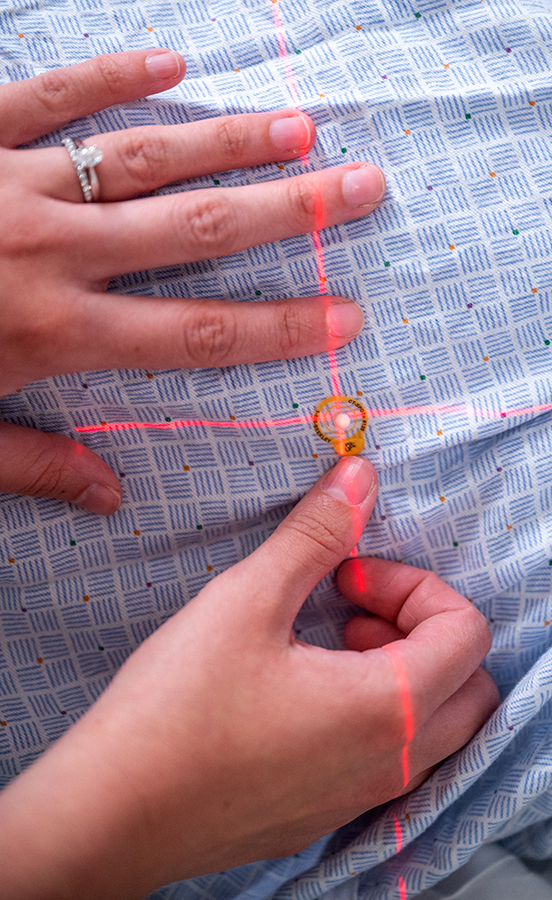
[57, 253]
[224, 739]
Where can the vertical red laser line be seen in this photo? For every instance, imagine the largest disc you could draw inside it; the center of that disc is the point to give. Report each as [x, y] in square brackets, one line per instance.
[404, 693]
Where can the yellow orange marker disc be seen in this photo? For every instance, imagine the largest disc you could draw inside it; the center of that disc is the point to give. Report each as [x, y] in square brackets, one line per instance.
[341, 422]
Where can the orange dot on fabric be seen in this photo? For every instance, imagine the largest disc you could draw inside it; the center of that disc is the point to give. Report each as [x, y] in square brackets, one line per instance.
[547, 622]
[236, 70]
[440, 432]
[405, 321]
[315, 455]
[360, 394]
[407, 815]
[137, 532]
[452, 246]
[103, 423]
[40, 660]
[531, 102]
[280, 167]
[86, 598]
[11, 559]
[150, 28]
[534, 290]
[186, 468]
[486, 358]
[442, 498]
[470, 600]
[20, 34]
[321, 95]
[149, 375]
[232, 418]
[18, 390]
[447, 66]
[3, 723]
[407, 130]
[358, 27]
[493, 174]
[209, 568]
[510, 527]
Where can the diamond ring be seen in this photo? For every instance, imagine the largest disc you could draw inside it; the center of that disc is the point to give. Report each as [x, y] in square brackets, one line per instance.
[84, 159]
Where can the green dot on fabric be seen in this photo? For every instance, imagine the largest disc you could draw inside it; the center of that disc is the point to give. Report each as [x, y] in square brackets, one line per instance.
[199, 527]
[515, 231]
[547, 342]
[344, 149]
[100, 648]
[296, 406]
[73, 543]
[422, 378]
[455, 543]
[168, 419]
[468, 115]
[387, 263]
[258, 293]
[216, 180]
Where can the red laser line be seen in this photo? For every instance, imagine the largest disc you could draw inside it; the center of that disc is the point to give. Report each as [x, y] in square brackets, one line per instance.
[398, 834]
[404, 691]
[183, 423]
[402, 888]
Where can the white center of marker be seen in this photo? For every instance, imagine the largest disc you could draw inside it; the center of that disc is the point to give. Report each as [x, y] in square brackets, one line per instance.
[342, 421]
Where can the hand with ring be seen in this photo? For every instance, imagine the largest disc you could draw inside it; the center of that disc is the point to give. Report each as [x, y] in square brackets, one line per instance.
[59, 252]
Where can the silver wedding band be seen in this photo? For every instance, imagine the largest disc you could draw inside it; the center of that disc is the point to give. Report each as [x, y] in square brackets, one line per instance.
[84, 160]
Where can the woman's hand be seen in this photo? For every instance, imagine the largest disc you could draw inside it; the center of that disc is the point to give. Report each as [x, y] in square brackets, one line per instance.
[57, 253]
[224, 740]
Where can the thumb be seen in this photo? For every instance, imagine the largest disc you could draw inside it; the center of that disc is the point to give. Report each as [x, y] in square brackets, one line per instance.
[316, 536]
[52, 465]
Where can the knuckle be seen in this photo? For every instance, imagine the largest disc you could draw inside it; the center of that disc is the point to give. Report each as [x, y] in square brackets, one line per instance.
[55, 91]
[210, 338]
[305, 202]
[291, 331]
[233, 138]
[112, 73]
[143, 154]
[325, 543]
[45, 474]
[212, 226]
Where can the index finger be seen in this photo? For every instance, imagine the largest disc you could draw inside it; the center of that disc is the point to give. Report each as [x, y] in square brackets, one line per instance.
[446, 636]
[36, 106]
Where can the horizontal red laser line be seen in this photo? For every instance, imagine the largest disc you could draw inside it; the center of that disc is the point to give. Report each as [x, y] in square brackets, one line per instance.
[301, 420]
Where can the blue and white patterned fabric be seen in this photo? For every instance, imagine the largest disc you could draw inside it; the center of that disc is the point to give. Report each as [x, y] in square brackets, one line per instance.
[453, 98]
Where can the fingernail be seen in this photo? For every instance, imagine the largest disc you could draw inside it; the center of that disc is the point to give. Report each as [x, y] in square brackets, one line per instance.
[99, 499]
[165, 64]
[350, 481]
[363, 186]
[291, 133]
[345, 319]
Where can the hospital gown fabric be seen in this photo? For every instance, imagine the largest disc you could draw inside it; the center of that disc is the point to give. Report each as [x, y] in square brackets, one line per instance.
[454, 367]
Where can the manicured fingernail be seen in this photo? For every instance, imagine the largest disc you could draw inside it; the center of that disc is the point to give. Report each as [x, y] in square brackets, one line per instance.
[166, 64]
[363, 186]
[345, 319]
[291, 133]
[350, 481]
[99, 499]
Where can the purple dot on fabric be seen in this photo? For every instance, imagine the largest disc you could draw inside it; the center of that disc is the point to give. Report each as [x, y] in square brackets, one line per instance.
[377, 446]
[499, 469]
[63, 712]
[121, 474]
[85, 385]
[213, 20]
[383, 518]
[23, 609]
[148, 583]
[491, 620]
[508, 49]
[502, 415]
[430, 187]
[251, 463]
[384, 76]
[510, 727]
[470, 305]
[86, 35]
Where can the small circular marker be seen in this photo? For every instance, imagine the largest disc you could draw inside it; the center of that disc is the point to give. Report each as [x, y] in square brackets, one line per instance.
[341, 422]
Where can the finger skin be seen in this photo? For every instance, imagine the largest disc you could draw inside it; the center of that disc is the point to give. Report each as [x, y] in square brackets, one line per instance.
[36, 106]
[446, 636]
[157, 333]
[138, 160]
[205, 224]
[455, 723]
[37, 464]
